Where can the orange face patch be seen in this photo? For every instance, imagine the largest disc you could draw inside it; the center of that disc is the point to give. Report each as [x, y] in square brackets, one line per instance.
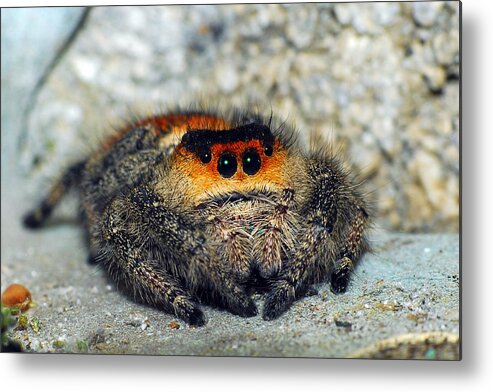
[216, 169]
[214, 158]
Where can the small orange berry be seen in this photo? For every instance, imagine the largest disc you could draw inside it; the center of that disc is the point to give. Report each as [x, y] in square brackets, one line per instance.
[16, 295]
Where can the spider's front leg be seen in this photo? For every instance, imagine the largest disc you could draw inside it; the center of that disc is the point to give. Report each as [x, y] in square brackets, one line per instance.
[190, 254]
[293, 281]
[332, 241]
[278, 233]
[129, 257]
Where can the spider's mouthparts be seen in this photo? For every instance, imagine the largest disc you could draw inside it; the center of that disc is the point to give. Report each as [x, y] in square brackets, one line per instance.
[235, 197]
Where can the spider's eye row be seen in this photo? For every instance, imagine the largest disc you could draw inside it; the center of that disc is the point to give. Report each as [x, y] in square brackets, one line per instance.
[205, 155]
[251, 162]
[227, 165]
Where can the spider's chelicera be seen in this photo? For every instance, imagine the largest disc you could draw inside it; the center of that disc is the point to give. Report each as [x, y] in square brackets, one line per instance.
[189, 208]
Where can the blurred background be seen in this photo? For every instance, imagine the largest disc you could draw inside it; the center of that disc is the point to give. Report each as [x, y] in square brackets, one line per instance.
[380, 80]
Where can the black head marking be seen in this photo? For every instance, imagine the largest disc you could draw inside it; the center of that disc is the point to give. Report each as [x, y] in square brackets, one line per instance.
[202, 139]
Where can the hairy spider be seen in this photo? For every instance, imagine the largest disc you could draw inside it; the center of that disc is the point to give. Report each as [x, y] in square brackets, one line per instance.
[191, 207]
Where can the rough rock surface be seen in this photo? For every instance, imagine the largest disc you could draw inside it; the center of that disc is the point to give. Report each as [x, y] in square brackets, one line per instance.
[380, 80]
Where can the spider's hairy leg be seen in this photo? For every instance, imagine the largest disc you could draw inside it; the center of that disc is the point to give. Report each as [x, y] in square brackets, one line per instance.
[39, 215]
[132, 169]
[277, 234]
[335, 222]
[293, 282]
[131, 263]
[353, 246]
[235, 244]
[321, 212]
[101, 186]
[130, 161]
[192, 255]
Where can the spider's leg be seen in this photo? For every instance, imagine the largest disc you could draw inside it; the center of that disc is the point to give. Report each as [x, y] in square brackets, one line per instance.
[277, 234]
[353, 247]
[128, 255]
[335, 220]
[40, 214]
[191, 253]
[130, 161]
[293, 282]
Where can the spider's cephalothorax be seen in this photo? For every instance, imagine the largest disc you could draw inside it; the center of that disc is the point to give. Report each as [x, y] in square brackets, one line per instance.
[194, 207]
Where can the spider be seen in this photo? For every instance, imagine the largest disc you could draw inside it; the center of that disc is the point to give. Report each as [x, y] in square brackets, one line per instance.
[193, 207]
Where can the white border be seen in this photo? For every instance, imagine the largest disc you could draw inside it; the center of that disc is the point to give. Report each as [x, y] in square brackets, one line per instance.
[82, 373]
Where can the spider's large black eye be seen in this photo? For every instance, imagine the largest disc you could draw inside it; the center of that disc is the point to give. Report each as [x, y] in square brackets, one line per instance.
[251, 162]
[205, 155]
[226, 166]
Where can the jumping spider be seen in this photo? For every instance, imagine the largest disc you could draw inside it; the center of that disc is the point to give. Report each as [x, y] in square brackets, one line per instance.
[192, 207]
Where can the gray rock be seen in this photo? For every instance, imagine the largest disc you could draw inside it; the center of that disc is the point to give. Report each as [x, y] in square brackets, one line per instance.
[385, 14]
[32, 37]
[344, 13]
[300, 25]
[426, 12]
[435, 77]
[446, 47]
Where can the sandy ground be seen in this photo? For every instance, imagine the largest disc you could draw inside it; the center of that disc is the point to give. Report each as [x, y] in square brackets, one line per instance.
[403, 302]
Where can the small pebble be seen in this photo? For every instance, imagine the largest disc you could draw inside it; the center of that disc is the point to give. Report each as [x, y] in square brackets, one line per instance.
[425, 13]
[17, 296]
[22, 322]
[174, 325]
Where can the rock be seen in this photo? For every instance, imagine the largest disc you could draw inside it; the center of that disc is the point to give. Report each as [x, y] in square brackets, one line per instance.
[435, 78]
[446, 47]
[426, 12]
[430, 176]
[227, 77]
[385, 14]
[343, 13]
[300, 24]
[44, 32]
